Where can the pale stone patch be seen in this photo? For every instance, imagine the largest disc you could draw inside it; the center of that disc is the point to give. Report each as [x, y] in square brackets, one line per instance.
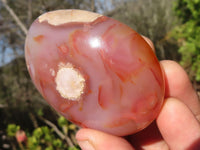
[69, 83]
[60, 17]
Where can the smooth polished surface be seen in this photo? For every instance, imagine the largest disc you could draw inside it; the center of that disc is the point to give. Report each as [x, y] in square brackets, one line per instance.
[98, 73]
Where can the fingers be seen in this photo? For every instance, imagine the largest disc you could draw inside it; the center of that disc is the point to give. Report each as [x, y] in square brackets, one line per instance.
[179, 86]
[89, 139]
[178, 126]
[148, 139]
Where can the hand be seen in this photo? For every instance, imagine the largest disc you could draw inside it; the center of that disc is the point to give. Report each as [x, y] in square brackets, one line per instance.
[177, 127]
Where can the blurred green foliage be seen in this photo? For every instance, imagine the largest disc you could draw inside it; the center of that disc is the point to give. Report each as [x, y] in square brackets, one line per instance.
[43, 137]
[188, 35]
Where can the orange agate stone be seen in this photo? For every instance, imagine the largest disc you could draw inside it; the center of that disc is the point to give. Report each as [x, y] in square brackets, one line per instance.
[95, 71]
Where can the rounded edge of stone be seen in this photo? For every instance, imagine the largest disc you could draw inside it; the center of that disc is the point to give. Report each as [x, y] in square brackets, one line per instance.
[60, 17]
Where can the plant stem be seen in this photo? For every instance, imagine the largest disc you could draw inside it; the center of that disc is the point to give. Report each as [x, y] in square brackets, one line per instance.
[15, 17]
[58, 132]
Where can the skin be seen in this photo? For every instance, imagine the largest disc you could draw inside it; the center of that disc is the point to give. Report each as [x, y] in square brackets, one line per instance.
[177, 126]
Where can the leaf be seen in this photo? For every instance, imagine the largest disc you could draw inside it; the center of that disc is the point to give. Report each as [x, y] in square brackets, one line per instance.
[57, 143]
[62, 121]
[40, 112]
[12, 129]
[73, 148]
[49, 148]
[37, 133]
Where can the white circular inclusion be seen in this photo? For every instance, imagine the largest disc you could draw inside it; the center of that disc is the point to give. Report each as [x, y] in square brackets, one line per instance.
[70, 83]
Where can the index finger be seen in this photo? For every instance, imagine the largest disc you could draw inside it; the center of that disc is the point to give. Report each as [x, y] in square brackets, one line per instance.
[178, 85]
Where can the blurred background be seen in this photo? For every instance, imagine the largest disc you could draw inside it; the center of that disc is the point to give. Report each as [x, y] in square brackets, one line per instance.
[26, 121]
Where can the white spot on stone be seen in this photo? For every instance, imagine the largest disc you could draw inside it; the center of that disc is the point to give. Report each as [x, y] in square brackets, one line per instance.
[52, 72]
[60, 17]
[70, 83]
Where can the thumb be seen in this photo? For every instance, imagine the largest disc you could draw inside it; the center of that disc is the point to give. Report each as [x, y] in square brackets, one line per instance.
[89, 139]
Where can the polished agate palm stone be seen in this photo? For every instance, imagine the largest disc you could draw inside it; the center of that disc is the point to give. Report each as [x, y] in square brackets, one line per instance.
[95, 71]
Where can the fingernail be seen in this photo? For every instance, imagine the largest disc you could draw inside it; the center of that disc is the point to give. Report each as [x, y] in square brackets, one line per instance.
[86, 145]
